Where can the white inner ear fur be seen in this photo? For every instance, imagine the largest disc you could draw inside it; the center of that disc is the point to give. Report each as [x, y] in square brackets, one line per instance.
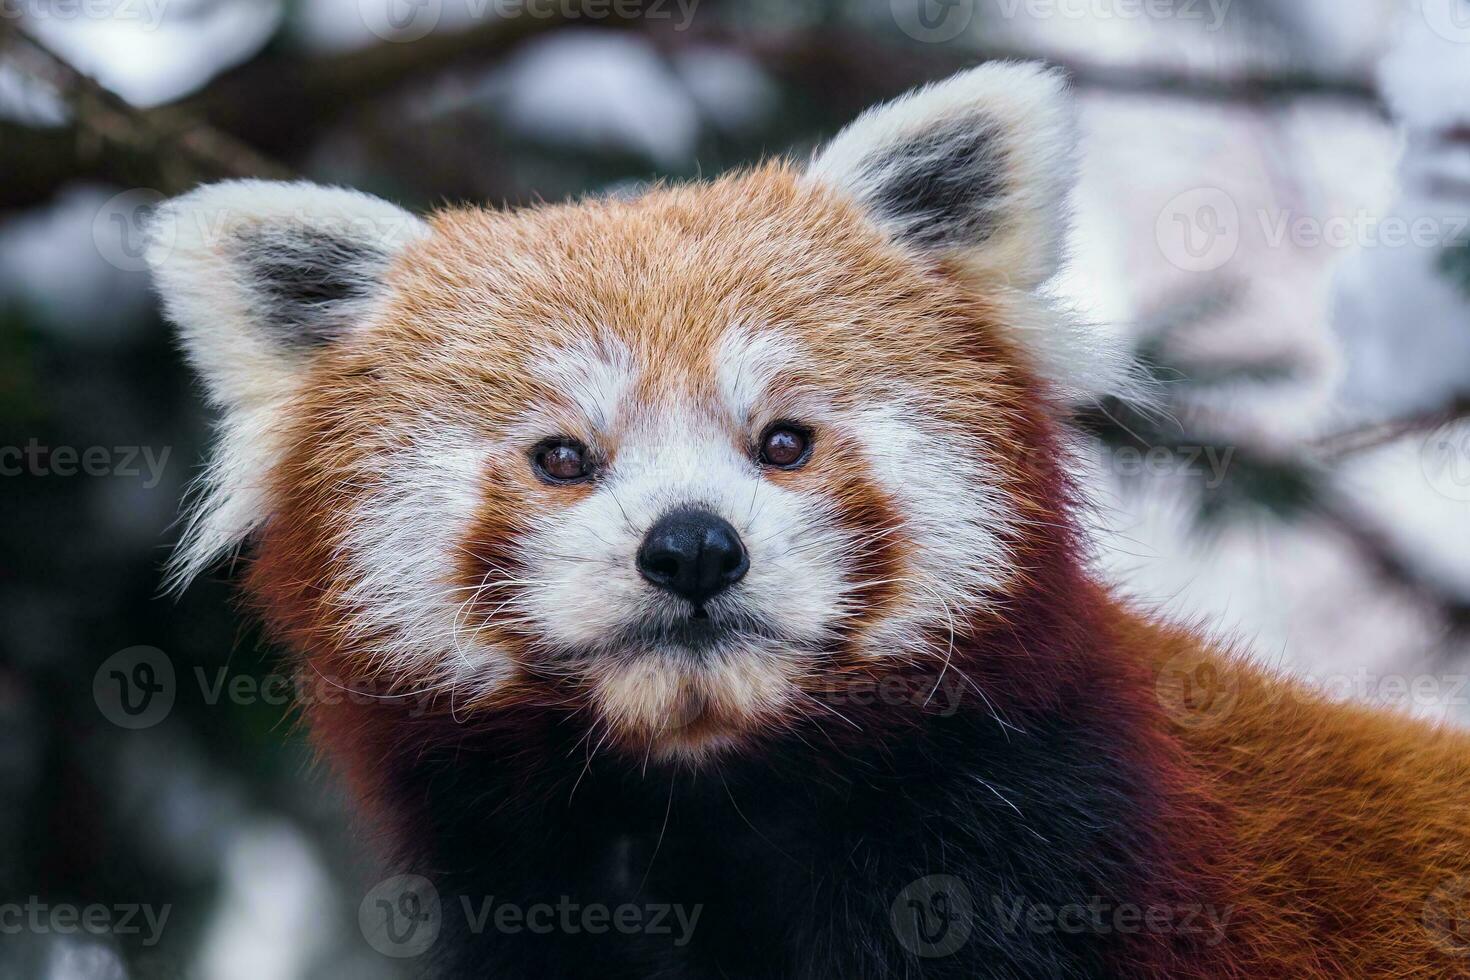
[256, 275]
[978, 169]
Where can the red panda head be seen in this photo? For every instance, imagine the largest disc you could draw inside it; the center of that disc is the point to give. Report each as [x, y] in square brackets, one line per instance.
[682, 463]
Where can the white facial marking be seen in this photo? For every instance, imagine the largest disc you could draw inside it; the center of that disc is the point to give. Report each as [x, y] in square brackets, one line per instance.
[596, 375]
[578, 600]
[955, 513]
[746, 364]
[673, 458]
[403, 544]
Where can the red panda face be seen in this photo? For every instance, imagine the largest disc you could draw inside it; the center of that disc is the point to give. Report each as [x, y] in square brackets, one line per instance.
[686, 463]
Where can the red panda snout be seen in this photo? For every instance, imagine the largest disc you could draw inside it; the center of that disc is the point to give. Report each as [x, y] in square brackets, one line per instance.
[693, 554]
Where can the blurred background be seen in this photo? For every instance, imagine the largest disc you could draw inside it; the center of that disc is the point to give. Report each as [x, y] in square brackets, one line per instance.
[1274, 214]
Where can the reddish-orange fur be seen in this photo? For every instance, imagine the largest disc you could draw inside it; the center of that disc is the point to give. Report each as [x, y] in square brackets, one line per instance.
[1347, 828]
[1326, 829]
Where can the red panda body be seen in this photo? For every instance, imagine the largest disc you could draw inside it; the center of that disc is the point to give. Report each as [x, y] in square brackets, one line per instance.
[715, 550]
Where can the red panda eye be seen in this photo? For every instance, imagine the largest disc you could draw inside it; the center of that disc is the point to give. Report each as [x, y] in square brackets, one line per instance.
[785, 445]
[562, 461]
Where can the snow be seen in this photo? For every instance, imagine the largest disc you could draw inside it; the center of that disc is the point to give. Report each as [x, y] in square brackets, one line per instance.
[1311, 197]
[731, 89]
[1289, 595]
[152, 51]
[595, 90]
[50, 259]
[1375, 328]
[1426, 76]
[26, 99]
[1162, 176]
[269, 921]
[1403, 323]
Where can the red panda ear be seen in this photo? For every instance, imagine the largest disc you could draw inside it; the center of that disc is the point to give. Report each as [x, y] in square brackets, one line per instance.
[977, 170]
[258, 276]
[977, 167]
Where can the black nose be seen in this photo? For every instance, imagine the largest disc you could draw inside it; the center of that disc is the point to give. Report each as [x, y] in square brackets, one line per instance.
[694, 554]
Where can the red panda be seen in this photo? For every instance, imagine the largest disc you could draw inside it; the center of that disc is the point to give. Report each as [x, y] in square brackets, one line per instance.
[718, 547]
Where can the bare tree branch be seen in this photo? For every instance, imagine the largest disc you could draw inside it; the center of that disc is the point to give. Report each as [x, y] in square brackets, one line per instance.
[857, 68]
[1340, 444]
[275, 105]
[1388, 560]
[281, 100]
[271, 106]
[181, 149]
